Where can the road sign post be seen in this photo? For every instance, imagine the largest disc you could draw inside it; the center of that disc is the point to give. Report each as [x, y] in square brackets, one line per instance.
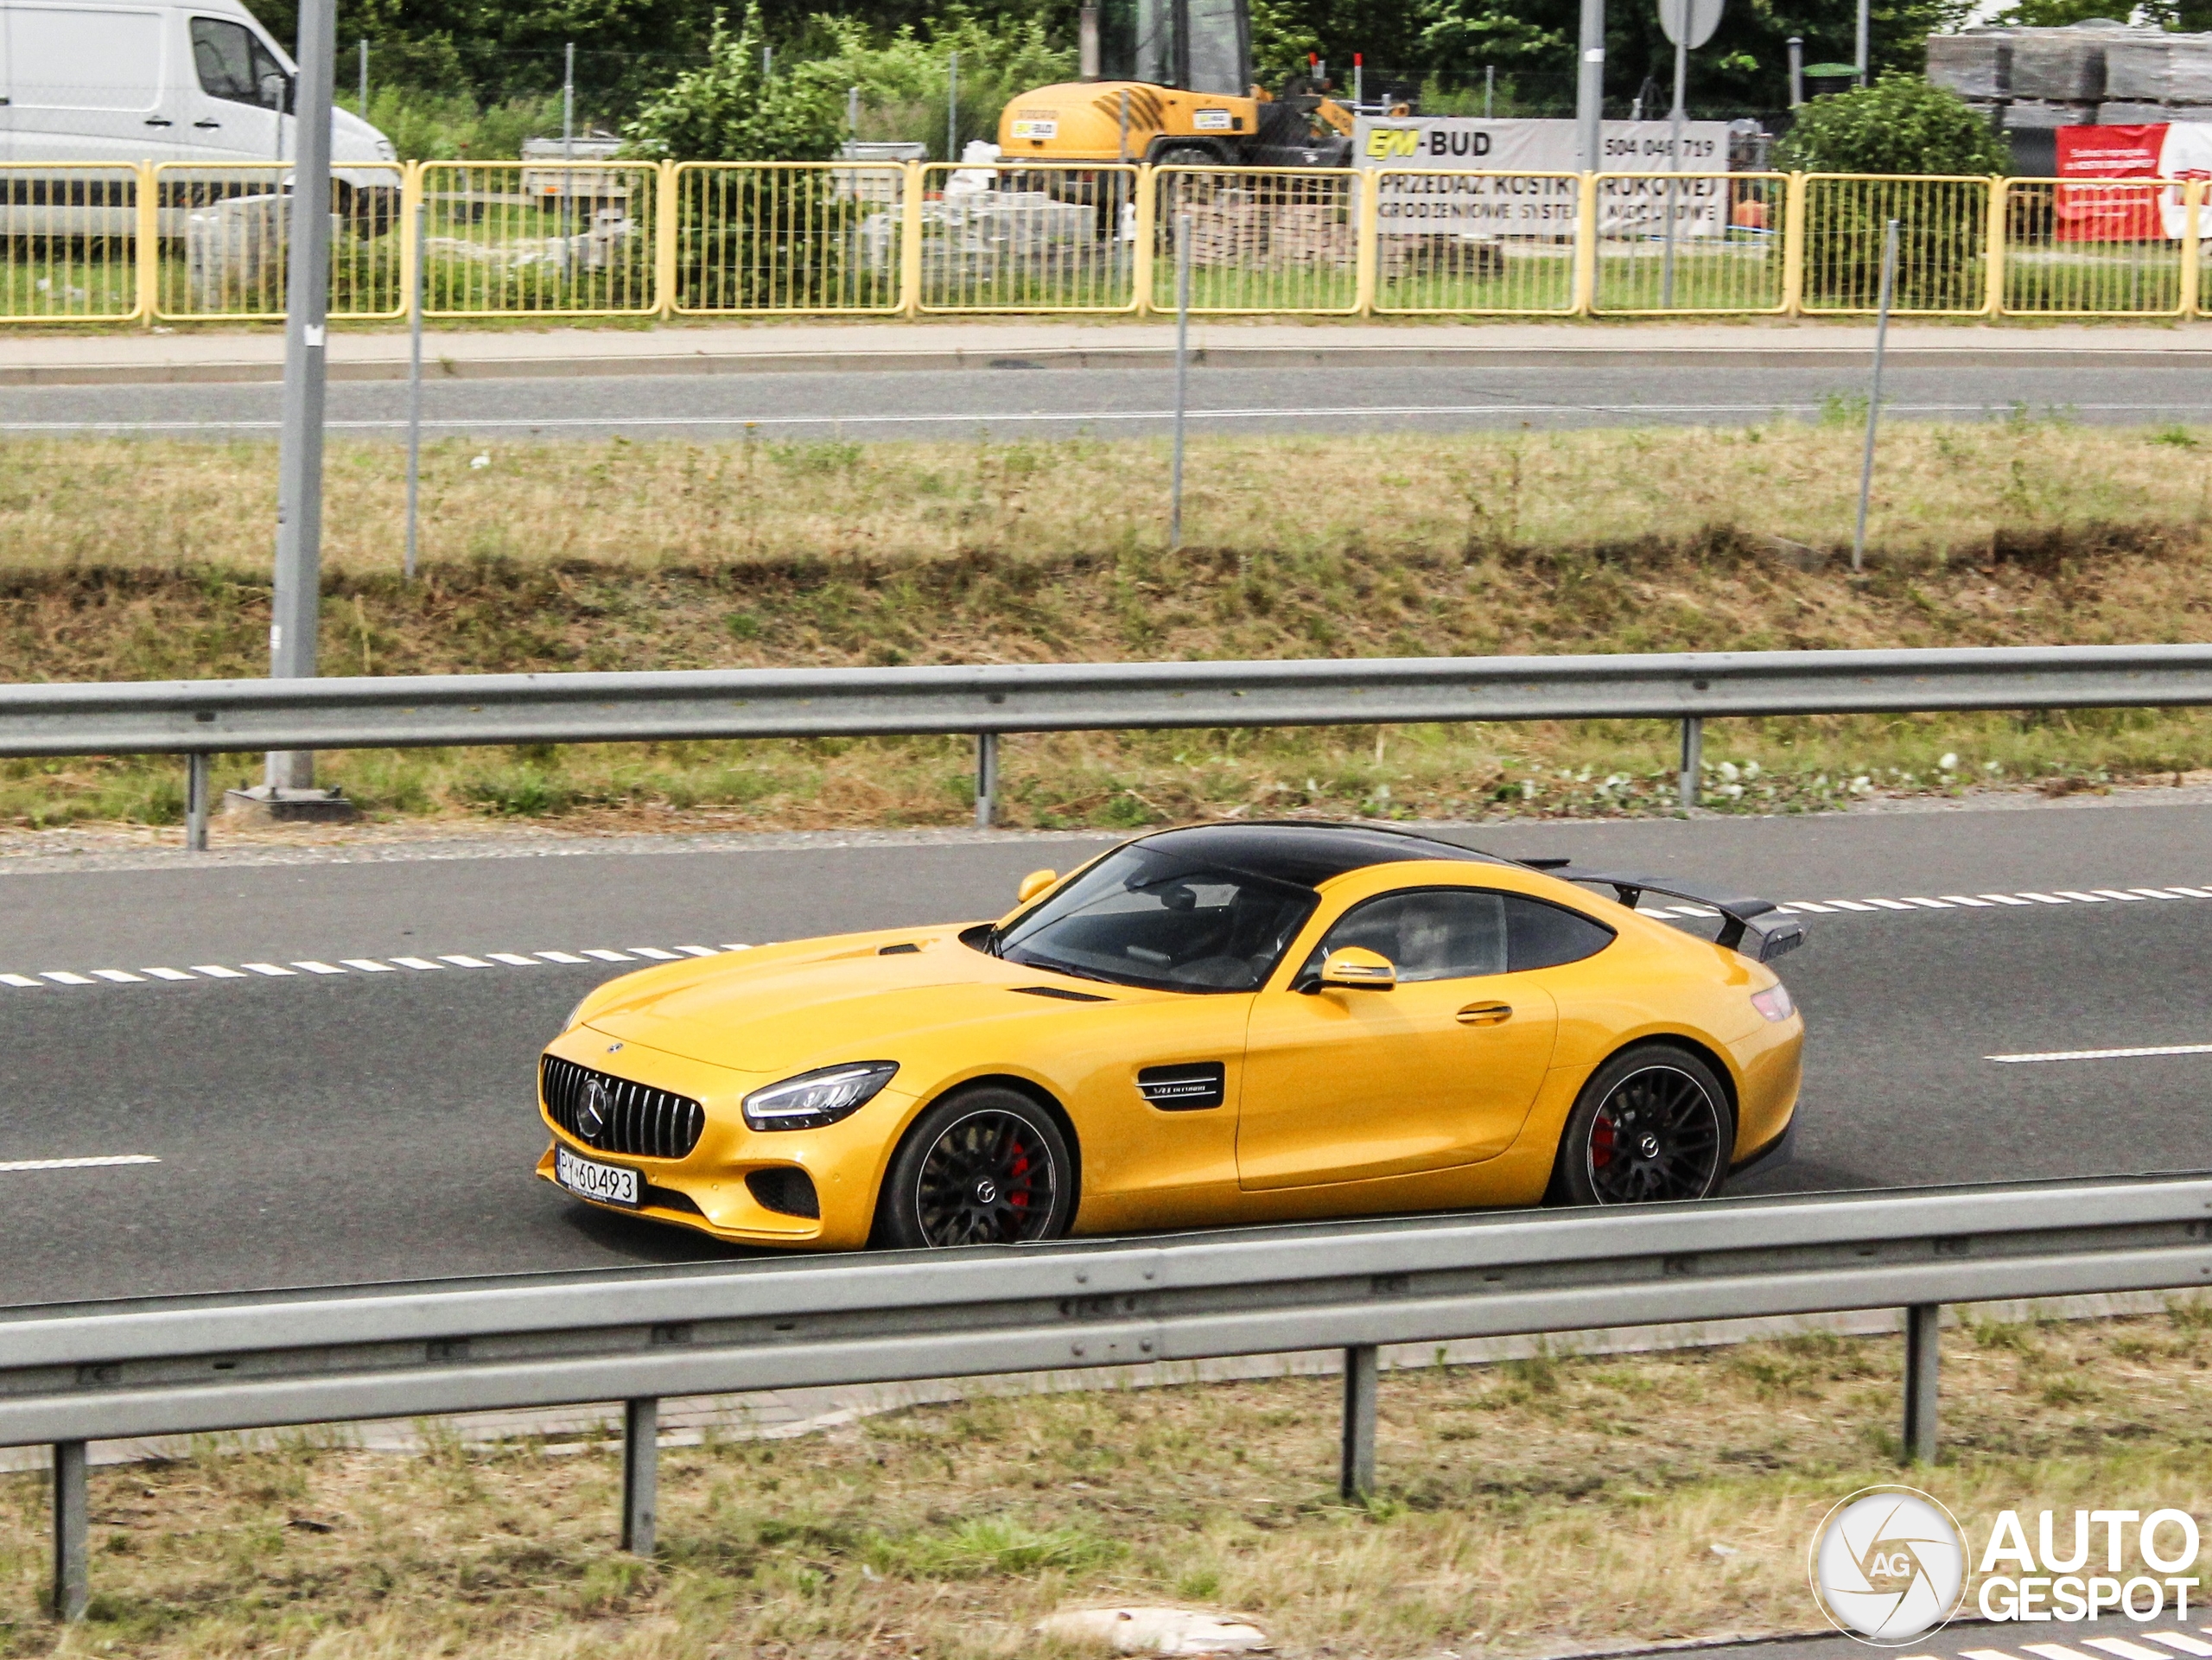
[1687, 23]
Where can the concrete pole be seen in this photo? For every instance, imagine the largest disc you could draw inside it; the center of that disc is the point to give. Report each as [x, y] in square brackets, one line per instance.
[1861, 59]
[1797, 72]
[952, 106]
[292, 628]
[1590, 90]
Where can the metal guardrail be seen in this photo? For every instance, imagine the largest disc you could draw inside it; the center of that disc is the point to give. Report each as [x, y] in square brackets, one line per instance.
[131, 241]
[198, 718]
[70, 1374]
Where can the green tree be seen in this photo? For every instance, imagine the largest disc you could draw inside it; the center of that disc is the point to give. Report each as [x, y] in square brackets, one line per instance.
[1899, 124]
[729, 109]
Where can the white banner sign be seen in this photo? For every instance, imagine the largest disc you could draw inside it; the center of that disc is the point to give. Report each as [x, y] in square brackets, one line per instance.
[1409, 203]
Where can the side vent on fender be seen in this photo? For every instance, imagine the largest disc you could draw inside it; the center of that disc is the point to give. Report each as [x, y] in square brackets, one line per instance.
[907, 950]
[1190, 1088]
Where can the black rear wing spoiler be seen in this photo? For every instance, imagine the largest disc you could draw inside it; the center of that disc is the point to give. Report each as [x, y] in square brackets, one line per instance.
[1758, 928]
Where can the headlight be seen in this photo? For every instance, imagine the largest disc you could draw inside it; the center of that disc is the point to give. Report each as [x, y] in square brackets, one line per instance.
[569, 1024]
[1774, 1002]
[819, 1097]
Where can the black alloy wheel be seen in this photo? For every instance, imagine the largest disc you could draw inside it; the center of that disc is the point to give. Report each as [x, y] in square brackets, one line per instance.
[1653, 1124]
[986, 1167]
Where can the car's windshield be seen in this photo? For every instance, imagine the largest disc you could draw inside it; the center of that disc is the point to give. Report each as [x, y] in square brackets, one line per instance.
[1145, 919]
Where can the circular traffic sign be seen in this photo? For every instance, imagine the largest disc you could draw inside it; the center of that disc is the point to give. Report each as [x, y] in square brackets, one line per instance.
[1704, 16]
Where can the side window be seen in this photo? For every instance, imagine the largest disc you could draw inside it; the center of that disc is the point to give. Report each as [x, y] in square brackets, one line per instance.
[1431, 933]
[232, 63]
[1543, 936]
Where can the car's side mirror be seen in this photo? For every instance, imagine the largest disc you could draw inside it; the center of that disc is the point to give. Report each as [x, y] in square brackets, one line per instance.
[1033, 884]
[1356, 969]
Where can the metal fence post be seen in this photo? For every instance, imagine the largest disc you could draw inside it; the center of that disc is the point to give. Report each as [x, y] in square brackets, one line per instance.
[2192, 262]
[1363, 1383]
[1793, 246]
[1992, 300]
[1586, 248]
[1924, 1323]
[641, 1473]
[1692, 757]
[910, 241]
[1182, 377]
[195, 802]
[408, 559]
[986, 778]
[667, 190]
[150, 245]
[70, 1516]
[1366, 255]
[1140, 272]
[1874, 390]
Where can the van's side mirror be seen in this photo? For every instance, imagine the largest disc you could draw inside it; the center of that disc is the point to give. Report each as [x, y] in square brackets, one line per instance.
[273, 88]
[1033, 884]
[1356, 969]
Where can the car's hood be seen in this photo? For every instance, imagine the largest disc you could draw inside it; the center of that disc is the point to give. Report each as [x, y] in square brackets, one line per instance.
[783, 1010]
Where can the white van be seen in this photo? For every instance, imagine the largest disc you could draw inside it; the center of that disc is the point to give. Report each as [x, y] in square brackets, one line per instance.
[140, 81]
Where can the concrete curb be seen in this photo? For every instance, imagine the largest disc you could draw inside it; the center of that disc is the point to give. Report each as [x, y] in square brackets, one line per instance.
[874, 360]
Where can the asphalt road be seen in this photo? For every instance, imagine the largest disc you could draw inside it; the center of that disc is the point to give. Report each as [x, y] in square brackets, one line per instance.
[316, 1128]
[1017, 402]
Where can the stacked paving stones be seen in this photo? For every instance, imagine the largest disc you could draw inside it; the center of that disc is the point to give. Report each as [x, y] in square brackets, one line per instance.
[2094, 73]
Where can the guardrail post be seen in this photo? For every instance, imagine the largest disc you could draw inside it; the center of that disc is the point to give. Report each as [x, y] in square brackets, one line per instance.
[70, 1517]
[150, 245]
[641, 1473]
[1363, 1383]
[910, 241]
[667, 190]
[1924, 1323]
[195, 802]
[1793, 246]
[986, 778]
[1692, 757]
[1586, 247]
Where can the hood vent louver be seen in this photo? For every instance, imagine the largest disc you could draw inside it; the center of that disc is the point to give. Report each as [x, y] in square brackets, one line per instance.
[1062, 992]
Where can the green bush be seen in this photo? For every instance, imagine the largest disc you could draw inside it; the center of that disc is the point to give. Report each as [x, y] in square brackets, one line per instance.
[1899, 124]
[732, 111]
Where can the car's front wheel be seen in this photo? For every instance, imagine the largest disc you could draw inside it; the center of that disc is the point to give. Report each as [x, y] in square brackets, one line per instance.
[1653, 1124]
[985, 1167]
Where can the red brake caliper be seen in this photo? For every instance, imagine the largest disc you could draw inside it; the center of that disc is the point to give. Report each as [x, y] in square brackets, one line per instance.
[1019, 1196]
[1602, 1136]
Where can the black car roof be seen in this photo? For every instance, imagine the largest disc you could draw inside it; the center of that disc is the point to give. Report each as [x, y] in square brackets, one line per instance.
[1305, 853]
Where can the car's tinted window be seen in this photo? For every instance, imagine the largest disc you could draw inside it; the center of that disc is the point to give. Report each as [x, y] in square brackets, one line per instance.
[232, 64]
[1148, 918]
[1429, 933]
[1541, 935]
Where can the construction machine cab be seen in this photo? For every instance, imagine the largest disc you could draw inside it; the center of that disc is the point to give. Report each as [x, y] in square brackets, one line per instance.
[1197, 46]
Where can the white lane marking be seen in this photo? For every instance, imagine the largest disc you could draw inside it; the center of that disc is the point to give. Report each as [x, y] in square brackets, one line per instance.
[1850, 905]
[216, 971]
[2040, 899]
[737, 948]
[119, 977]
[63, 977]
[413, 963]
[462, 960]
[562, 957]
[313, 967]
[79, 1164]
[2109, 1054]
[1807, 905]
[2055, 1652]
[2078, 896]
[654, 952]
[1983, 1654]
[2123, 1648]
[2193, 893]
[698, 951]
[368, 966]
[2118, 894]
[2007, 899]
[2155, 893]
[17, 980]
[167, 974]
[2181, 1642]
[604, 955]
[1931, 905]
[271, 970]
[512, 959]
[1960, 898]
[1889, 904]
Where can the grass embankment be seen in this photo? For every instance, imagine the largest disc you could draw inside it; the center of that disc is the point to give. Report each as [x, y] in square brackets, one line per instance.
[1526, 1507]
[129, 560]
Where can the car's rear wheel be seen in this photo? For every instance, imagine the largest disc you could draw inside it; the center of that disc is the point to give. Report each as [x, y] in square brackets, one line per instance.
[1653, 1124]
[985, 1167]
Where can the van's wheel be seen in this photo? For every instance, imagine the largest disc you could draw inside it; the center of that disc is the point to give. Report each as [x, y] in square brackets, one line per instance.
[984, 1167]
[1653, 1124]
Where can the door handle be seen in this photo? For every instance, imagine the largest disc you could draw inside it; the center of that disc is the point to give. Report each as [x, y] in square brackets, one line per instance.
[159, 121]
[204, 125]
[1484, 1014]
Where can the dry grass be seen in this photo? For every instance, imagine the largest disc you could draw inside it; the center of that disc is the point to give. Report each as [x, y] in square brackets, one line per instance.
[1526, 1507]
[129, 560]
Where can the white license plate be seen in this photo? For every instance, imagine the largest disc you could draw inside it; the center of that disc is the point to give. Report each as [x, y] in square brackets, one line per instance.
[610, 1184]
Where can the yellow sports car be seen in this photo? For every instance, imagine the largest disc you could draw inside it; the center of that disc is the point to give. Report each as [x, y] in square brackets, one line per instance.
[1220, 1023]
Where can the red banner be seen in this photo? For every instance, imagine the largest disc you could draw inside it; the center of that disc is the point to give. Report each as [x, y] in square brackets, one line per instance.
[2107, 211]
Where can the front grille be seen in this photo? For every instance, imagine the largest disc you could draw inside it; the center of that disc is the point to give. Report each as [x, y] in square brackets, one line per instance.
[631, 1118]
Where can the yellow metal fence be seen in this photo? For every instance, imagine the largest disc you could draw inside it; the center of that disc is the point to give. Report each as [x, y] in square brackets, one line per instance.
[123, 242]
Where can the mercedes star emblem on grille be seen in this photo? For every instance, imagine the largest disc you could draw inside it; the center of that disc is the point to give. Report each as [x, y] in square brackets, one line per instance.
[591, 1112]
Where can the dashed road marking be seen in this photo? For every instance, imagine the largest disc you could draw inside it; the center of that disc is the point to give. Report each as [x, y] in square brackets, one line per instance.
[104, 1159]
[2107, 1054]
